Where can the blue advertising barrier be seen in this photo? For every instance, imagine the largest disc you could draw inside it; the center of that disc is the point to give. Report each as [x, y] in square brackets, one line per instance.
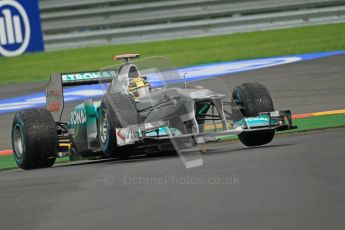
[20, 27]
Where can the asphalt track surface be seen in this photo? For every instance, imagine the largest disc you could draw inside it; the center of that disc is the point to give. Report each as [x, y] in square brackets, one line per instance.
[297, 182]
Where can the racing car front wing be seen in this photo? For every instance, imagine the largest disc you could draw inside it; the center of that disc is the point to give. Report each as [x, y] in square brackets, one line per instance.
[277, 120]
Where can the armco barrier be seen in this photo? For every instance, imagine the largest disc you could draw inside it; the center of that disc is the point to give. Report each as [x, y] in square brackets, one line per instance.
[75, 23]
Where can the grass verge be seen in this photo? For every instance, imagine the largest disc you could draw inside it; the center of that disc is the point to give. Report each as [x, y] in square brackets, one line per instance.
[7, 162]
[183, 52]
[304, 124]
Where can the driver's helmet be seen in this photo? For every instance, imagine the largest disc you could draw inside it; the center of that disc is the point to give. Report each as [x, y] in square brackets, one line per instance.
[138, 85]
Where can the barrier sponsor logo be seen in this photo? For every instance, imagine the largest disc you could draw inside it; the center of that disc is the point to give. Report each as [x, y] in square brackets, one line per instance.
[20, 28]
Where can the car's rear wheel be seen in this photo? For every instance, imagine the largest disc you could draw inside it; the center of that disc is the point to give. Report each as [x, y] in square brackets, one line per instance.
[116, 111]
[34, 139]
[253, 98]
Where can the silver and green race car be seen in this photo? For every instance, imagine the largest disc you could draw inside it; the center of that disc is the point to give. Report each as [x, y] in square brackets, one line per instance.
[147, 108]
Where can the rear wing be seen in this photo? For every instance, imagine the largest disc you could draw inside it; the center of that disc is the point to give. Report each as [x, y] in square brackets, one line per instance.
[54, 89]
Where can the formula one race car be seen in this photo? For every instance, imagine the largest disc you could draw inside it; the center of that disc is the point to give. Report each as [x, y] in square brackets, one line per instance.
[147, 107]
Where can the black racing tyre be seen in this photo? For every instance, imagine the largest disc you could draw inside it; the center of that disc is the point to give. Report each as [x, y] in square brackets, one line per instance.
[253, 98]
[116, 111]
[34, 139]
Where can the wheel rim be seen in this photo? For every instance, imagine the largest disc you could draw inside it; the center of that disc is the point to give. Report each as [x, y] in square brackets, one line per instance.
[104, 126]
[18, 140]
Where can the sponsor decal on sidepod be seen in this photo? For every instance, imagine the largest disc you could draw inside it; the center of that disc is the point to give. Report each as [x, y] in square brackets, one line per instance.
[78, 117]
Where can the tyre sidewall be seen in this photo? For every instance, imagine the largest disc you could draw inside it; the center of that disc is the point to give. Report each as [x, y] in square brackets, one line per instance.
[18, 122]
[108, 147]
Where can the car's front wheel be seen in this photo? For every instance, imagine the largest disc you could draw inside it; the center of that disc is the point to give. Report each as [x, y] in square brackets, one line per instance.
[116, 111]
[253, 98]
